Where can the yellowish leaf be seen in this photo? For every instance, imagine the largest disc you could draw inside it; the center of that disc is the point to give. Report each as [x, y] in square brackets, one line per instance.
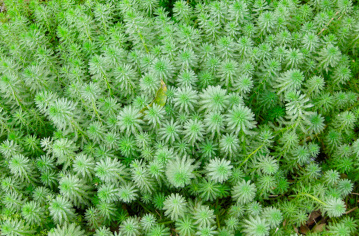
[160, 98]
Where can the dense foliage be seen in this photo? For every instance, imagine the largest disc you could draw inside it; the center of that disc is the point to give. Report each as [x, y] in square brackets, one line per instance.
[147, 117]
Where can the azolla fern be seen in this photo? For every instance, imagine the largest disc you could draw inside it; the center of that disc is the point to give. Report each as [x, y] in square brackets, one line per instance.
[199, 117]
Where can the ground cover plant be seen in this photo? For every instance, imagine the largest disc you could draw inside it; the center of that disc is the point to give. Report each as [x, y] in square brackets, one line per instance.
[146, 117]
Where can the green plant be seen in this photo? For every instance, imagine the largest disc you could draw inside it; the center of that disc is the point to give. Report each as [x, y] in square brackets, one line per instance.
[163, 117]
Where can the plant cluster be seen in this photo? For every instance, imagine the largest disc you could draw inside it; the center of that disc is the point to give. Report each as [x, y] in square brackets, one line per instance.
[148, 117]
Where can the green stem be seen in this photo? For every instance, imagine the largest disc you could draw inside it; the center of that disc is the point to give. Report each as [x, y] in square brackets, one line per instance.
[95, 110]
[249, 156]
[142, 39]
[145, 207]
[88, 34]
[311, 196]
[79, 129]
[104, 27]
[107, 83]
[288, 127]
[355, 105]
[17, 99]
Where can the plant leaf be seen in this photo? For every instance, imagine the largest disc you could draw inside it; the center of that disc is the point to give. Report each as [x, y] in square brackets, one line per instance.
[160, 99]
[161, 96]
